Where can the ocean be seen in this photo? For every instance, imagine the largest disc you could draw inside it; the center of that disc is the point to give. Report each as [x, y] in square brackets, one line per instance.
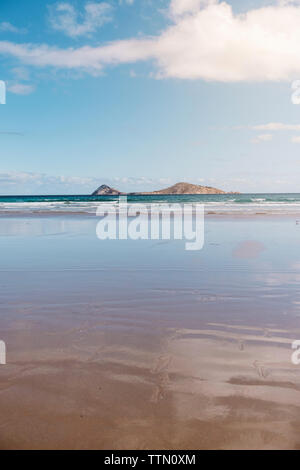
[264, 203]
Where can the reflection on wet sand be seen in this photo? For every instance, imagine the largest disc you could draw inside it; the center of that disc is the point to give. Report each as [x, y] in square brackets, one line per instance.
[248, 249]
[186, 389]
[194, 357]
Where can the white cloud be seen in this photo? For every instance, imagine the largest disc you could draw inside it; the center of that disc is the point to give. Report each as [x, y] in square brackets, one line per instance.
[21, 89]
[262, 138]
[14, 178]
[127, 2]
[296, 139]
[18, 177]
[214, 44]
[206, 41]
[64, 18]
[89, 58]
[182, 7]
[277, 126]
[6, 27]
[284, 3]
[81, 183]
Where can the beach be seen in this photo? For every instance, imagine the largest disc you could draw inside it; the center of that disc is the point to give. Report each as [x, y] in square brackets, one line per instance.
[124, 344]
[150, 227]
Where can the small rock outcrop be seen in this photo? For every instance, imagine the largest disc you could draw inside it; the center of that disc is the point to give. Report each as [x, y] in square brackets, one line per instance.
[105, 190]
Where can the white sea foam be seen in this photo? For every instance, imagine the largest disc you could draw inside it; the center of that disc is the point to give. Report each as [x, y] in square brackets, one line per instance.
[240, 204]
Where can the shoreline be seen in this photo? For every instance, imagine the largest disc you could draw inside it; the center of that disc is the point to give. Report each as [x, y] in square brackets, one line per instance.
[210, 214]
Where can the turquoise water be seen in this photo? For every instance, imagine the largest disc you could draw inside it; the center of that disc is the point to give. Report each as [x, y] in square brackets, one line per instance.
[235, 198]
[219, 203]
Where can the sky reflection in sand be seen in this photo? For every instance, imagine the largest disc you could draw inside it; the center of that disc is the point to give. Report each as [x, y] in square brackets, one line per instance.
[145, 345]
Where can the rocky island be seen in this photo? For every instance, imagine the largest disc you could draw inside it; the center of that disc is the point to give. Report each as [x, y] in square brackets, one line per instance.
[105, 190]
[178, 188]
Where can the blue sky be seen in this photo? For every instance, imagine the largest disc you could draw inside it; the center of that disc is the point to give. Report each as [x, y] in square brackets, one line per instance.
[141, 94]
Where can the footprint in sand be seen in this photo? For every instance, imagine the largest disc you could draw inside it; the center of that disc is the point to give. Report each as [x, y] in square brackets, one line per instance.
[163, 379]
[162, 364]
[159, 389]
[261, 370]
[157, 394]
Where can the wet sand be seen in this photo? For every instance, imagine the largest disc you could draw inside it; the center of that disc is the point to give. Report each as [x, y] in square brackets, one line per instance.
[142, 345]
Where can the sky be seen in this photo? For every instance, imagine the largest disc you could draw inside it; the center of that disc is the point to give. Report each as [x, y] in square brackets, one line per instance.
[141, 94]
